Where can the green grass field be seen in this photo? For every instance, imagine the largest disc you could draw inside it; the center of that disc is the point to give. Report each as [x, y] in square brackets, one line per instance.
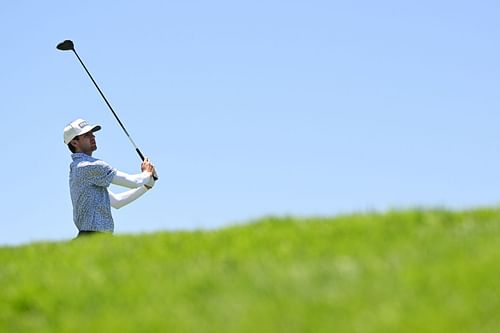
[408, 271]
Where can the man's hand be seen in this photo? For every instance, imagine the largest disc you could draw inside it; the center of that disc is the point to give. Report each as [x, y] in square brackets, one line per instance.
[147, 166]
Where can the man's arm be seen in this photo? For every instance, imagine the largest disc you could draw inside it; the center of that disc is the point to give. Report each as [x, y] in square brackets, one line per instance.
[118, 200]
[133, 181]
[137, 180]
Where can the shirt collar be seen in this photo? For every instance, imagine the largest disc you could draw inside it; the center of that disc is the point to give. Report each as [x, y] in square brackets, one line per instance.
[76, 156]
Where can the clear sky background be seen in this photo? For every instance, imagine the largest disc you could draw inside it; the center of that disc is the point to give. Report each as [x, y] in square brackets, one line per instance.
[252, 108]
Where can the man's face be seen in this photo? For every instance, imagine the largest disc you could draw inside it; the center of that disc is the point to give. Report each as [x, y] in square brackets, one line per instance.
[85, 143]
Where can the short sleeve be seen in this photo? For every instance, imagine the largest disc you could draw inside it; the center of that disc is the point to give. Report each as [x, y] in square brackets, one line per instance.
[98, 173]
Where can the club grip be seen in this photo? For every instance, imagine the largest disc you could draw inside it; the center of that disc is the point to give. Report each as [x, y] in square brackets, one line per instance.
[140, 154]
[155, 176]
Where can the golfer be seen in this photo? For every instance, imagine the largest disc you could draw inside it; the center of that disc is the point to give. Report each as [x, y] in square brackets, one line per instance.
[89, 179]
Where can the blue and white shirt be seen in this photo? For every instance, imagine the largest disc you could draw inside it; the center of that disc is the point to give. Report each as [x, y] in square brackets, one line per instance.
[89, 179]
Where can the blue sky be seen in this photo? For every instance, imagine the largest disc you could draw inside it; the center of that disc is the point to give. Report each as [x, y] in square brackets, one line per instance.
[252, 108]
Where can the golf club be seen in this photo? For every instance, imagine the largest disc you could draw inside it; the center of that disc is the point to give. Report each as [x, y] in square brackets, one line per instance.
[68, 45]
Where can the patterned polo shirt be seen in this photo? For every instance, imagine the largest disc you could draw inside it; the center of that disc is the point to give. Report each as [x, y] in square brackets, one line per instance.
[88, 182]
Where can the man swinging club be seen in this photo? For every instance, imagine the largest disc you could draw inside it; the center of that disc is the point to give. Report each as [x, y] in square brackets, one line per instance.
[89, 179]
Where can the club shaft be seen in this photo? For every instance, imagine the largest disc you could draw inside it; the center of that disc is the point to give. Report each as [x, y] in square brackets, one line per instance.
[109, 105]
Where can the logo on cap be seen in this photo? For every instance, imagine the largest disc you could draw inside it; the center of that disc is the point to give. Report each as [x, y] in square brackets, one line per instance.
[82, 124]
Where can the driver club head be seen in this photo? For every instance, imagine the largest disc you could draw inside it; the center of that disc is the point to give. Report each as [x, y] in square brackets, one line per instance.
[66, 45]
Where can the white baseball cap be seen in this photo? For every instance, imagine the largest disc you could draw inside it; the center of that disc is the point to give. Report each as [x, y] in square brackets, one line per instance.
[78, 127]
